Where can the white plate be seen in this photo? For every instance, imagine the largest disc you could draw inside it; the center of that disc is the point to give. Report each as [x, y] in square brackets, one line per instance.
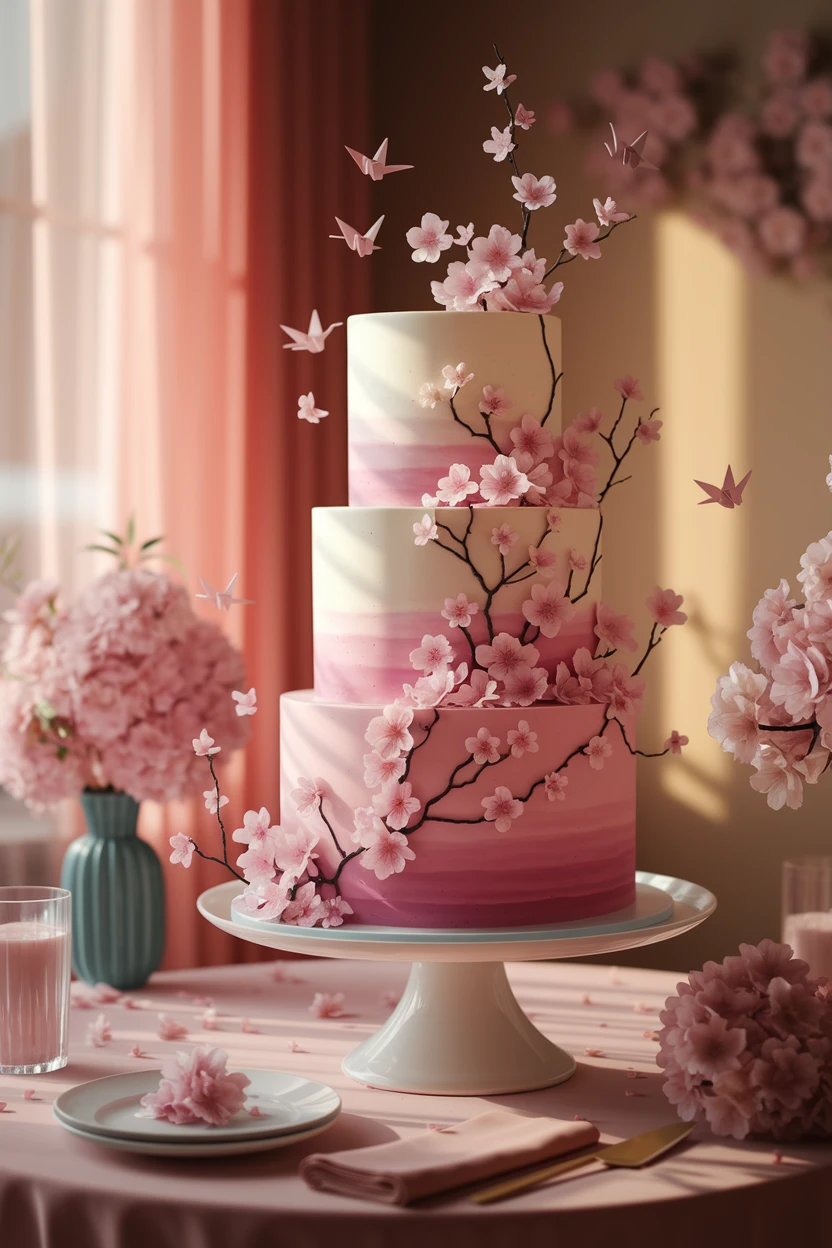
[108, 1107]
[223, 1148]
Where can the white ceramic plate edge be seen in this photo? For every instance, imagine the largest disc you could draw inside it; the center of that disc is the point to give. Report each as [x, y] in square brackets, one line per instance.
[228, 1148]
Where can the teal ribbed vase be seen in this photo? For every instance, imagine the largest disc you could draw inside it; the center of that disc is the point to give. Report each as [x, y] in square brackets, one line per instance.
[118, 899]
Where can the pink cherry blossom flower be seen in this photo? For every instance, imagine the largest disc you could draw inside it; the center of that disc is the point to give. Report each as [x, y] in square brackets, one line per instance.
[554, 786]
[388, 855]
[367, 826]
[628, 388]
[616, 631]
[522, 740]
[395, 804]
[648, 431]
[459, 611]
[307, 796]
[499, 144]
[524, 117]
[494, 402]
[428, 691]
[504, 655]
[534, 192]
[378, 770]
[483, 747]
[781, 778]
[525, 685]
[607, 213]
[577, 562]
[429, 394]
[581, 240]
[246, 702]
[99, 1032]
[464, 234]
[425, 530]
[554, 520]
[456, 487]
[212, 802]
[589, 421]
[663, 605]
[429, 500]
[816, 569]
[504, 538]
[429, 239]
[196, 1088]
[456, 378]
[542, 560]
[326, 1005]
[774, 610]
[523, 293]
[204, 745]
[334, 910]
[597, 751]
[464, 286]
[305, 910]
[800, 679]
[258, 831]
[502, 481]
[530, 438]
[308, 411]
[548, 608]
[675, 742]
[138, 1051]
[293, 849]
[183, 849]
[170, 1029]
[502, 809]
[481, 690]
[497, 78]
[736, 711]
[624, 694]
[499, 251]
[256, 1112]
[434, 655]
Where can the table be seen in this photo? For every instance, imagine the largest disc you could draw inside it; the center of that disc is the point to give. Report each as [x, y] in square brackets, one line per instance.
[59, 1192]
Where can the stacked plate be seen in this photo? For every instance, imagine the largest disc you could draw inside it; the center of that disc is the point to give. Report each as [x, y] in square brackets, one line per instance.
[291, 1109]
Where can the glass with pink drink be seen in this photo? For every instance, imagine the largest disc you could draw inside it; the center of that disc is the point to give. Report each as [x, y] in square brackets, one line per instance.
[35, 958]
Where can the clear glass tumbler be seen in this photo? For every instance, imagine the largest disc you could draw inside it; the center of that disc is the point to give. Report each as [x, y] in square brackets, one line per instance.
[807, 911]
[35, 962]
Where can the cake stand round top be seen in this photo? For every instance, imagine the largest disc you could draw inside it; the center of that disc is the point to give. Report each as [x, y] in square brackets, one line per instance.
[664, 907]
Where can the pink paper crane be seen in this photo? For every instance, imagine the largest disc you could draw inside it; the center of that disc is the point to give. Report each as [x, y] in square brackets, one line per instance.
[315, 337]
[376, 166]
[364, 244]
[223, 599]
[729, 494]
[631, 153]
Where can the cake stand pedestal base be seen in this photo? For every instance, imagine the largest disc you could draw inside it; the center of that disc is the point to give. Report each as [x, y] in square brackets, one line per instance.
[466, 1017]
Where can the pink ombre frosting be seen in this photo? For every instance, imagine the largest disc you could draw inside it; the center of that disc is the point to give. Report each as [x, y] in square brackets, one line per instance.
[560, 860]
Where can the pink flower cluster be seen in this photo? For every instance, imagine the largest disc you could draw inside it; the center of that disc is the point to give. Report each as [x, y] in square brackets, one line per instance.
[111, 690]
[196, 1089]
[747, 1046]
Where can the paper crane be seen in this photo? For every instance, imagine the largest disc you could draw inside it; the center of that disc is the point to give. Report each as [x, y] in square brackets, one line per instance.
[631, 153]
[223, 599]
[729, 494]
[376, 166]
[314, 338]
[364, 244]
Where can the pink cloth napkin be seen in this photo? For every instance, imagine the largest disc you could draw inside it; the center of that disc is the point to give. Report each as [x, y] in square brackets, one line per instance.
[407, 1170]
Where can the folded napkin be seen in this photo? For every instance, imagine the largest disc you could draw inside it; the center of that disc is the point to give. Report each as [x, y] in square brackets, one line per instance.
[436, 1161]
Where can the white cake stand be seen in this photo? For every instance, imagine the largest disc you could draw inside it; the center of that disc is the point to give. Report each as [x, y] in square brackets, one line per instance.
[458, 1029]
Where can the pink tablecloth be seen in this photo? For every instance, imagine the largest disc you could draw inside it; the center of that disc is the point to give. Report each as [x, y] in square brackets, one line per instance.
[58, 1192]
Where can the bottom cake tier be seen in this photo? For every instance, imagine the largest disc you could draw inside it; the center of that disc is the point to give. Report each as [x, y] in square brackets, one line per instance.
[567, 858]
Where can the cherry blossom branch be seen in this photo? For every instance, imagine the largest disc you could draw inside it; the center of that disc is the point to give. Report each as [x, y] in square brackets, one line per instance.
[556, 376]
[330, 829]
[594, 561]
[653, 641]
[219, 816]
[220, 862]
[812, 726]
[429, 729]
[567, 258]
[641, 753]
[526, 214]
[452, 786]
[475, 433]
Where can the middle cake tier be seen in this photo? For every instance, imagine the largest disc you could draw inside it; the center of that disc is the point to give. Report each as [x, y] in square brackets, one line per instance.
[377, 592]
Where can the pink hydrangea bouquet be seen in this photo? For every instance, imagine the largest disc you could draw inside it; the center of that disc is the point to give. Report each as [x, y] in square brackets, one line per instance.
[747, 1046]
[779, 719]
[107, 693]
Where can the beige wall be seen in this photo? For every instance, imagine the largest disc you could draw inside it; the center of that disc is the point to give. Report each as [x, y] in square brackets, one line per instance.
[742, 368]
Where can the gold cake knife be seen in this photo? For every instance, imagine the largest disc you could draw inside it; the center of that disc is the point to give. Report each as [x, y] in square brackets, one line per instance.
[632, 1153]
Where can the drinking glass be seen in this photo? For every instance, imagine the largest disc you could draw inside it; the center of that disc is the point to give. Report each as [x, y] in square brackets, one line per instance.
[35, 959]
[807, 911]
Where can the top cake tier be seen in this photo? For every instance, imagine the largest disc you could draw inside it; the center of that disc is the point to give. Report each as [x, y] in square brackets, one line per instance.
[398, 448]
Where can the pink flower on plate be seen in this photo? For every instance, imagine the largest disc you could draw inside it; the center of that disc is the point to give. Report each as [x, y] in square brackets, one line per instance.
[334, 910]
[502, 809]
[499, 251]
[524, 117]
[425, 530]
[434, 655]
[388, 855]
[504, 537]
[497, 78]
[267, 900]
[456, 378]
[675, 742]
[542, 560]
[499, 144]
[502, 481]
[246, 702]
[607, 213]
[459, 611]
[663, 605]
[534, 192]
[522, 740]
[305, 909]
[494, 402]
[554, 786]
[212, 802]
[597, 751]
[548, 608]
[429, 394]
[581, 240]
[483, 747]
[196, 1088]
[327, 1005]
[204, 745]
[183, 849]
[465, 286]
[504, 655]
[307, 796]
[429, 239]
[525, 685]
[616, 631]
[378, 770]
[589, 421]
[395, 804]
[170, 1029]
[99, 1032]
[628, 388]
[456, 487]
[308, 411]
[647, 431]
[530, 438]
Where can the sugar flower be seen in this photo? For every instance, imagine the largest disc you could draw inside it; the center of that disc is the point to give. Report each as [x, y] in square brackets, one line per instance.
[816, 569]
[522, 740]
[334, 911]
[504, 655]
[497, 79]
[736, 711]
[525, 685]
[204, 745]
[589, 421]
[183, 849]
[456, 487]
[429, 239]
[581, 240]
[308, 411]
[388, 855]
[459, 611]
[305, 908]
[534, 192]
[542, 560]
[293, 849]
[425, 530]
[499, 251]
[388, 733]
[502, 809]
[483, 747]
[577, 562]
[258, 831]
[800, 679]
[523, 293]
[664, 605]
[648, 431]
[99, 1032]
[326, 1005]
[554, 786]
[624, 694]
[196, 1088]
[548, 608]
[429, 394]
[502, 481]
[378, 770]
[481, 690]
[499, 144]
[628, 387]
[464, 234]
[675, 742]
[307, 796]
[170, 1029]
[212, 802]
[246, 702]
[504, 538]
[524, 117]
[456, 378]
[494, 401]
[597, 751]
[530, 438]
[464, 286]
[607, 213]
[395, 804]
[434, 655]
[614, 630]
